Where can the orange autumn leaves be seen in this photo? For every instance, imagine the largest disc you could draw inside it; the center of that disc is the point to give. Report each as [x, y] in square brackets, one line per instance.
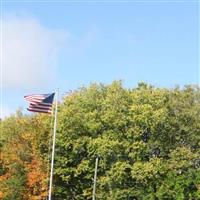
[23, 171]
[36, 180]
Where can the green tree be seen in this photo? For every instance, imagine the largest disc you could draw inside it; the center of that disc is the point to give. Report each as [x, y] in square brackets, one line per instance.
[147, 140]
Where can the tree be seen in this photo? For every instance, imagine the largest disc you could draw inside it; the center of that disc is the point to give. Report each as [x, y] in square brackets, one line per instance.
[147, 140]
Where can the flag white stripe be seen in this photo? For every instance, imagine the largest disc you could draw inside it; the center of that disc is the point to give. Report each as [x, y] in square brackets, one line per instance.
[36, 98]
[42, 109]
[35, 95]
[39, 110]
[37, 102]
[33, 100]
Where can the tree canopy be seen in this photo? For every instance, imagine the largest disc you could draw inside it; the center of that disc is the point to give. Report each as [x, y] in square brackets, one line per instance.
[147, 140]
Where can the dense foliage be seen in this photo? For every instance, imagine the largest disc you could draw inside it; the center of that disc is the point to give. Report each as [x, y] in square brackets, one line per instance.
[147, 140]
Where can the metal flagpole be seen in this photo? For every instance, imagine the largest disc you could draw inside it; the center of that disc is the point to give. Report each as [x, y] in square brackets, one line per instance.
[53, 146]
[95, 179]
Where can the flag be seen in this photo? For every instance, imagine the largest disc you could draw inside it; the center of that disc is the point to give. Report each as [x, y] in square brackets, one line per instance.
[40, 102]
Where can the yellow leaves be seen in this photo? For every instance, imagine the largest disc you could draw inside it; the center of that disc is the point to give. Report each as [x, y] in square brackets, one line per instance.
[183, 153]
[147, 115]
[82, 167]
[118, 172]
[3, 189]
[136, 149]
[42, 196]
[182, 157]
[87, 193]
[143, 171]
[198, 187]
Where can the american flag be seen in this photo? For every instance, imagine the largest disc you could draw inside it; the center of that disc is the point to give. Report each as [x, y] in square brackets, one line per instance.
[40, 102]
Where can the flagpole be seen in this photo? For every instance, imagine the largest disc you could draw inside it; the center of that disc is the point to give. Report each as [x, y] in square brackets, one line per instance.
[53, 145]
[95, 179]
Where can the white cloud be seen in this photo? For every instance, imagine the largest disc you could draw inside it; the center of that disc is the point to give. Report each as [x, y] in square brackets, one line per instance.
[30, 53]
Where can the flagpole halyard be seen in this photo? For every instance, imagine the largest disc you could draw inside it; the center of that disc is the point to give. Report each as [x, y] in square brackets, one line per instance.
[53, 146]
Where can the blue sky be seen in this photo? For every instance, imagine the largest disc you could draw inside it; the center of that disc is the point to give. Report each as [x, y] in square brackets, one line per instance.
[71, 44]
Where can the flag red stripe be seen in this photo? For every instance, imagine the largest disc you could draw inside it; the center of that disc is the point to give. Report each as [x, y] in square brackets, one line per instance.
[40, 102]
[42, 107]
[45, 110]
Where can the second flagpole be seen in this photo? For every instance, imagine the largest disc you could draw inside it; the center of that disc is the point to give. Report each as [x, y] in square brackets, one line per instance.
[53, 146]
